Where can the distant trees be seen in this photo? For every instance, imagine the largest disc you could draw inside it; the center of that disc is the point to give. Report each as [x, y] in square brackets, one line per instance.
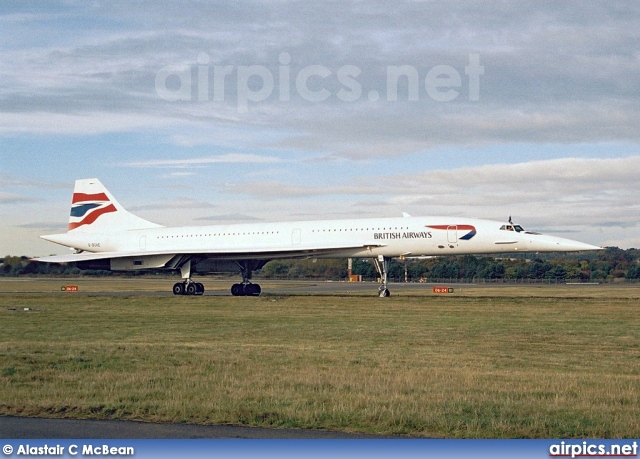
[633, 272]
[320, 269]
[609, 264]
[18, 266]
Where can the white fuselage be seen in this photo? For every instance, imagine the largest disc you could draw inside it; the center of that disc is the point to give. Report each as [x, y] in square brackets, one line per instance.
[389, 237]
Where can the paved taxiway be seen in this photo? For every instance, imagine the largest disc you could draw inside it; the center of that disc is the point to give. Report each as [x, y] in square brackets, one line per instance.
[216, 287]
[25, 428]
[126, 287]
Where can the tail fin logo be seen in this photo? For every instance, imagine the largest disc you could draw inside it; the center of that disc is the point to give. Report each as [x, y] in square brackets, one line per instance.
[87, 208]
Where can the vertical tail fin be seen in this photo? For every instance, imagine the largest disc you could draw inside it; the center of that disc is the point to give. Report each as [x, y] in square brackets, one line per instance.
[94, 209]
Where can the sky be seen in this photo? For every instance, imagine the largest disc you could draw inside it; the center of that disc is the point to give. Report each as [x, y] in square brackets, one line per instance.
[195, 112]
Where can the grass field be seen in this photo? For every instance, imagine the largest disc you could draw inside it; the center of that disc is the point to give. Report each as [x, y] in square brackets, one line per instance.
[511, 362]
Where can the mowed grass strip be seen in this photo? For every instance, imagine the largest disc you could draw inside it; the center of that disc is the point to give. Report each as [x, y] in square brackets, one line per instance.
[437, 366]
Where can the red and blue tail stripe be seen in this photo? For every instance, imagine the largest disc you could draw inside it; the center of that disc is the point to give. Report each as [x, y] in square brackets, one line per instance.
[87, 208]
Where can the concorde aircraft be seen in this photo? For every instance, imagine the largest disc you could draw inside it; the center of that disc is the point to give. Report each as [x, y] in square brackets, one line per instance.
[106, 236]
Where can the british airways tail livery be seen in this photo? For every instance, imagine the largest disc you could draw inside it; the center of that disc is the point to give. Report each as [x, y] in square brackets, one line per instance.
[106, 236]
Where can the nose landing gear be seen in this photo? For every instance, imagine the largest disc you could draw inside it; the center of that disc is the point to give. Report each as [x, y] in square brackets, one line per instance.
[382, 266]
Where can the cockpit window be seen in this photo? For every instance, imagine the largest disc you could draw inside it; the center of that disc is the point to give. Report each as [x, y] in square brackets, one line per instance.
[516, 228]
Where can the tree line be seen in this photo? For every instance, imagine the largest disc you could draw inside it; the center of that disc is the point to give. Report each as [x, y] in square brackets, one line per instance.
[607, 265]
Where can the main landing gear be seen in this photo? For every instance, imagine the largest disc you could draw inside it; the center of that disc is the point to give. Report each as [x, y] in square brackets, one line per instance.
[246, 288]
[188, 287]
[382, 266]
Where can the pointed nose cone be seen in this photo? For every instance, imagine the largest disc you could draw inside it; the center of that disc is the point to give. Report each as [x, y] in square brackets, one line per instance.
[543, 243]
[575, 246]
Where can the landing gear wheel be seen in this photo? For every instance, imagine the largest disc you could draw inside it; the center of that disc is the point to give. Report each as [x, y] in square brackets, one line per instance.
[382, 266]
[191, 288]
[246, 290]
[237, 290]
[178, 288]
[252, 290]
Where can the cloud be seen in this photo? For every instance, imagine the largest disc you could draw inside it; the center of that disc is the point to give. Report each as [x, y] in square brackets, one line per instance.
[236, 158]
[29, 17]
[86, 123]
[236, 217]
[178, 174]
[553, 192]
[568, 176]
[45, 226]
[572, 174]
[182, 203]
[553, 73]
[267, 190]
[8, 181]
[13, 198]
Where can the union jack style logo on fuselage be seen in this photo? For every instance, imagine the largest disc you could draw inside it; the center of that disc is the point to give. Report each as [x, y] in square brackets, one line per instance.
[86, 208]
[466, 237]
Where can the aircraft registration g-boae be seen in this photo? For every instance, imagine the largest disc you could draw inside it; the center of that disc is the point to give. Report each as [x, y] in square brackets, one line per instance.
[106, 236]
